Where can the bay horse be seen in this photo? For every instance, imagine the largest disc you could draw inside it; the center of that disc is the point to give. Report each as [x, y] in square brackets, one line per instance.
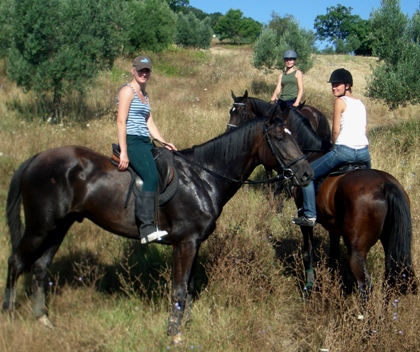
[362, 206]
[60, 186]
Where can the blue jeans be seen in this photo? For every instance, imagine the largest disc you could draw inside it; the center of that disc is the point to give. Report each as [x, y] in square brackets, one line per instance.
[286, 102]
[335, 158]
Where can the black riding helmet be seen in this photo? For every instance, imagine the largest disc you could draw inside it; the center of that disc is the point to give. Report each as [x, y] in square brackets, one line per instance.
[341, 75]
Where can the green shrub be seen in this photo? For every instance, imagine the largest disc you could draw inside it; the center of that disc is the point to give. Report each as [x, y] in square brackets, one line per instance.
[193, 33]
[396, 80]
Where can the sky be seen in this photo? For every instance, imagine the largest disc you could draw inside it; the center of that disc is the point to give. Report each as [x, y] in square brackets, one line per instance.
[304, 11]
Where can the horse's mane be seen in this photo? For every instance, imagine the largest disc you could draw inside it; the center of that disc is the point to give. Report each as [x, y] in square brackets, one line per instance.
[302, 130]
[260, 107]
[225, 147]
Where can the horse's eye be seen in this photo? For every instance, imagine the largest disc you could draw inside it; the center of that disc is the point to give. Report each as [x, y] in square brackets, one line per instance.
[279, 137]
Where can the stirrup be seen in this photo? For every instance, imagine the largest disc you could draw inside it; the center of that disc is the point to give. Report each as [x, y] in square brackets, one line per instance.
[153, 236]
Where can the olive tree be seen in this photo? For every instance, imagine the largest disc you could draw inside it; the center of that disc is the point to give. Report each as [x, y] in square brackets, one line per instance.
[59, 46]
[395, 42]
[283, 34]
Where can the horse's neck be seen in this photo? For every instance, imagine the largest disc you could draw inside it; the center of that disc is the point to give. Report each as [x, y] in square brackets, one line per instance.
[259, 107]
[303, 132]
[229, 155]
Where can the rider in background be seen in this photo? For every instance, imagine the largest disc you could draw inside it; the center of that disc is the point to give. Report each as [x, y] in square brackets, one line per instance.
[136, 127]
[290, 83]
[350, 143]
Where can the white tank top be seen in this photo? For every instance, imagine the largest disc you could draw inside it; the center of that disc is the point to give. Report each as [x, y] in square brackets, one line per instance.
[353, 124]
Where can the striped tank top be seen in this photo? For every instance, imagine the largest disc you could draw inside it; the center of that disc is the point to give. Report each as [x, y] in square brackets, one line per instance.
[138, 114]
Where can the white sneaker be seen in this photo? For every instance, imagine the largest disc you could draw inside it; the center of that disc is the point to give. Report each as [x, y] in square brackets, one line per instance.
[154, 236]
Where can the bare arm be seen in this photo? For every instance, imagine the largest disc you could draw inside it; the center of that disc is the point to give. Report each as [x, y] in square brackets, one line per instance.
[339, 108]
[277, 91]
[299, 79]
[125, 96]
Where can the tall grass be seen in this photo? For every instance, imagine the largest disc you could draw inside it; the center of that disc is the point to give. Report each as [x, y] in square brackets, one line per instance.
[107, 293]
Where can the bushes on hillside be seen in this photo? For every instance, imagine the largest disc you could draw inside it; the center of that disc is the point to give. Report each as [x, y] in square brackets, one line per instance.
[193, 33]
[59, 46]
[283, 34]
[150, 25]
[396, 43]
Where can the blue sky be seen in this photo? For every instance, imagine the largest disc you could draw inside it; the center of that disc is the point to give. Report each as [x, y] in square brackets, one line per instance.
[304, 11]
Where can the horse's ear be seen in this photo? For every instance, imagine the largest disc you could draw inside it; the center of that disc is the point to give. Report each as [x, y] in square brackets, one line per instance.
[245, 94]
[301, 105]
[233, 95]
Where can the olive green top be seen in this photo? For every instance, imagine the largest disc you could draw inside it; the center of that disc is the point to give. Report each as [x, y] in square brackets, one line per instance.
[289, 87]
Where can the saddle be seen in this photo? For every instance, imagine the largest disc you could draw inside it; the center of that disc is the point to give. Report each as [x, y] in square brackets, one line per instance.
[341, 170]
[348, 167]
[168, 177]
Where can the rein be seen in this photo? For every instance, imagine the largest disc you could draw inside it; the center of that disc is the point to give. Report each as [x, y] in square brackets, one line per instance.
[287, 171]
[286, 174]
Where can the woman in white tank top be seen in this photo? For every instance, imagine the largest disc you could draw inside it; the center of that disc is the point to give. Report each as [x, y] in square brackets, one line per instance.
[350, 143]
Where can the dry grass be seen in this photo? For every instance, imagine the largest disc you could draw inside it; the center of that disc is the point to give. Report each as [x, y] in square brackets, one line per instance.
[109, 294]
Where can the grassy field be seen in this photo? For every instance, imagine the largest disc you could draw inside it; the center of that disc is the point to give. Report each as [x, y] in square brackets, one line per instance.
[107, 293]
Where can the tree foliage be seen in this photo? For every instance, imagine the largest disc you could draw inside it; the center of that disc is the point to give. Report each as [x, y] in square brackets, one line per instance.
[283, 33]
[59, 46]
[191, 32]
[415, 27]
[346, 31]
[237, 28]
[150, 25]
[177, 5]
[395, 80]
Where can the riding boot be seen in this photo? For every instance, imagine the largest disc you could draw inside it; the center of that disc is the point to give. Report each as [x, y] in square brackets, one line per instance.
[145, 213]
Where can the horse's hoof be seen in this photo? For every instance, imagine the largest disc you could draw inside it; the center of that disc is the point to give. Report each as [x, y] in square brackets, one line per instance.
[46, 322]
[177, 339]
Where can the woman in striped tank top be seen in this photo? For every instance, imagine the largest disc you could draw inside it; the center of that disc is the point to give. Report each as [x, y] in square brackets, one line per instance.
[135, 128]
[290, 83]
[350, 143]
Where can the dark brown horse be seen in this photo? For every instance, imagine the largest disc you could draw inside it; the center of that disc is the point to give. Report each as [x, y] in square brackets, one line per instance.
[312, 134]
[247, 108]
[60, 186]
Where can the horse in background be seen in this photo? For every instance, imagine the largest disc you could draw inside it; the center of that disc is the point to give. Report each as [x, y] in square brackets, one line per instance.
[247, 108]
[312, 134]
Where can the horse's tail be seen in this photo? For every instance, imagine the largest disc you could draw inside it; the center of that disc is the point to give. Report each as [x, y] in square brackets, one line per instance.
[14, 200]
[399, 271]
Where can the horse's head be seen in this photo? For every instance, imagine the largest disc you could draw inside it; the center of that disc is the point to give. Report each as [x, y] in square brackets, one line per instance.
[240, 112]
[284, 154]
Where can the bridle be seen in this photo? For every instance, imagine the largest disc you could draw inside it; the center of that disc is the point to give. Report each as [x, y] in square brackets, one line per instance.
[229, 125]
[287, 171]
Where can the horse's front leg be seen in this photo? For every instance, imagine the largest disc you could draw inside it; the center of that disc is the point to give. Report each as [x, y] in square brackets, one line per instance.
[308, 257]
[184, 258]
